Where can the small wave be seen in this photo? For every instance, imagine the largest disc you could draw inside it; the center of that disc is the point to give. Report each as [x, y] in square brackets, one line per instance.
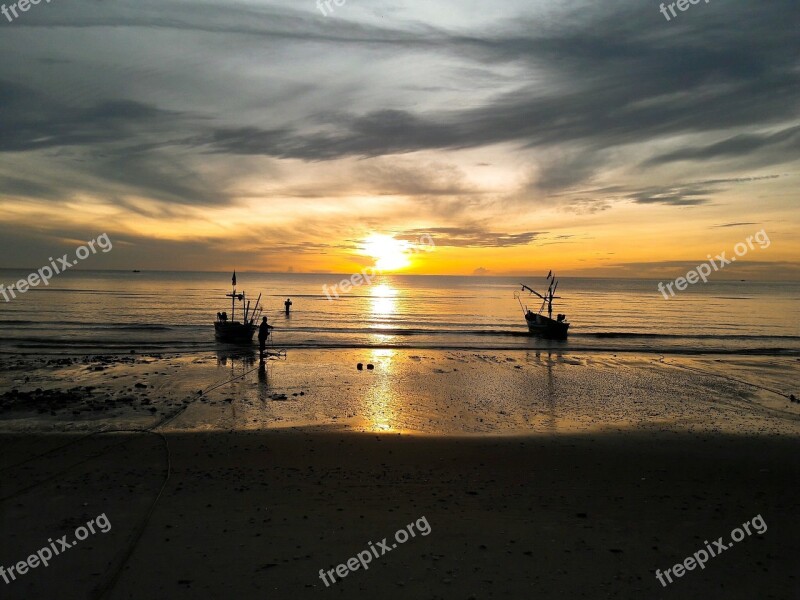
[106, 327]
[140, 327]
[51, 343]
[678, 336]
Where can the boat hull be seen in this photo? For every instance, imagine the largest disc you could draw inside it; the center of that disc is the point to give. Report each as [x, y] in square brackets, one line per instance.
[234, 333]
[547, 327]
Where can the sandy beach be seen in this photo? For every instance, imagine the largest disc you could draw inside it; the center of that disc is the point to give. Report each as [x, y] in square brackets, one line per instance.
[539, 475]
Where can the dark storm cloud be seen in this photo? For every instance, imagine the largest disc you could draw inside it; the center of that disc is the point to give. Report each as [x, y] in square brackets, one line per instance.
[16, 186]
[588, 80]
[374, 134]
[231, 19]
[159, 175]
[32, 121]
[623, 77]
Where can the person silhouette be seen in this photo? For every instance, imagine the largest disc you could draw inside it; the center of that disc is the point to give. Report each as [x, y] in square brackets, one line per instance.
[263, 334]
[288, 305]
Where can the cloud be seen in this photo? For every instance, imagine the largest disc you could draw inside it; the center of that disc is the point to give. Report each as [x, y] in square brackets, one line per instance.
[733, 225]
[33, 121]
[477, 125]
[785, 141]
[668, 270]
[672, 195]
[690, 193]
[414, 178]
[474, 237]
[613, 89]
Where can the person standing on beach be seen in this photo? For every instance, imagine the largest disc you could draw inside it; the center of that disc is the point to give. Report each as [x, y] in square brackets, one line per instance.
[287, 304]
[263, 334]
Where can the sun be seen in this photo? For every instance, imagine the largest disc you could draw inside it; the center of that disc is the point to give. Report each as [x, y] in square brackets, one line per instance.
[389, 254]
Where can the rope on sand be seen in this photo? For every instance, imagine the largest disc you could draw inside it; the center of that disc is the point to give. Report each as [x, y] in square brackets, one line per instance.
[103, 590]
[139, 531]
[166, 419]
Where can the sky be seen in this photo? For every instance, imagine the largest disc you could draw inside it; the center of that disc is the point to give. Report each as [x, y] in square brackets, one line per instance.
[592, 138]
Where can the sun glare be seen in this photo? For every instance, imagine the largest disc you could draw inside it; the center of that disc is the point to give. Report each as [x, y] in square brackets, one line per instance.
[389, 254]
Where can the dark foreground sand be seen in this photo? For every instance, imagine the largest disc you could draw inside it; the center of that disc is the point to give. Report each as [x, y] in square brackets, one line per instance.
[541, 475]
[258, 514]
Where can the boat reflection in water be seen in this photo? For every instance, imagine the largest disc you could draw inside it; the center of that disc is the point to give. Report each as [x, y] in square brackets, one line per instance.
[236, 356]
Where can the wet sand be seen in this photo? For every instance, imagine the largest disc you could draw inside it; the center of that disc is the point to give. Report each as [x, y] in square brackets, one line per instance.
[540, 476]
[407, 391]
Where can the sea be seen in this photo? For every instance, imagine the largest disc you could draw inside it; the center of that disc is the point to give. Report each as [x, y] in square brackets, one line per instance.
[115, 312]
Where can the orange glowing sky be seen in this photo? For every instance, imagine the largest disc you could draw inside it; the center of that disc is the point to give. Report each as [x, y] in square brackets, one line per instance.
[265, 136]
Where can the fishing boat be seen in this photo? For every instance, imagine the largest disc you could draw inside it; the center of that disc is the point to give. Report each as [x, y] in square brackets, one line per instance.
[228, 329]
[539, 323]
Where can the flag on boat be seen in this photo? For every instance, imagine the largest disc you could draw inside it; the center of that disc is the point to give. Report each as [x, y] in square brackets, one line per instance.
[233, 279]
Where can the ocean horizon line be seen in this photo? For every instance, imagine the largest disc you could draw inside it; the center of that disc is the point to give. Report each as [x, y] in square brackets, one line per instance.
[452, 275]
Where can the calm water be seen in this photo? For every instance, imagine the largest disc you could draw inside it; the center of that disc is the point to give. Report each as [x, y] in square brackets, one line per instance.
[91, 312]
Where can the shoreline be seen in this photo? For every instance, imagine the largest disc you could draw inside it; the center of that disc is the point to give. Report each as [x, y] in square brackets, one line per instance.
[159, 349]
[432, 392]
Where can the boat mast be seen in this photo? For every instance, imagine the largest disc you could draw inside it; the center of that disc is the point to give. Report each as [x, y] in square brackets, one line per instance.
[547, 299]
[233, 295]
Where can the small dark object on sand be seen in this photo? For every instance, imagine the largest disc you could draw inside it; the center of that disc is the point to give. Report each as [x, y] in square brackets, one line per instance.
[360, 366]
[370, 366]
[792, 398]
